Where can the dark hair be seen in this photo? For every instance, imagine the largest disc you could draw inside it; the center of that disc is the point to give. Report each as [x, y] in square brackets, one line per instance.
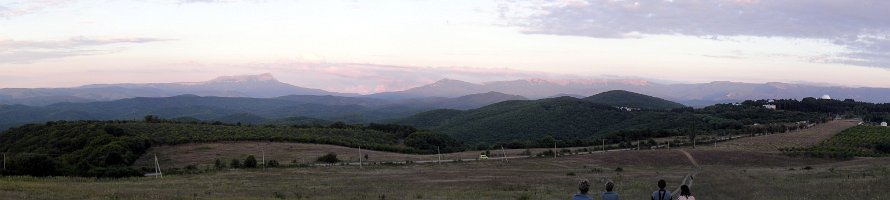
[584, 186]
[662, 184]
[684, 191]
[609, 186]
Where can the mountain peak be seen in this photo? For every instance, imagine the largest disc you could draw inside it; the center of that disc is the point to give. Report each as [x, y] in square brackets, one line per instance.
[266, 77]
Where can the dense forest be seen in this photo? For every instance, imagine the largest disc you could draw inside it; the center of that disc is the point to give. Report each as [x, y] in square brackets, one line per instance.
[108, 148]
[569, 121]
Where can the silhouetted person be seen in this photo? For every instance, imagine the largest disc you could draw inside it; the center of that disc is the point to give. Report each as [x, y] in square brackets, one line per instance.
[685, 194]
[583, 187]
[661, 194]
[609, 195]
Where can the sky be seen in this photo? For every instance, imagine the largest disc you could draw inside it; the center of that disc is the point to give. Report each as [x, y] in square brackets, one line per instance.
[375, 46]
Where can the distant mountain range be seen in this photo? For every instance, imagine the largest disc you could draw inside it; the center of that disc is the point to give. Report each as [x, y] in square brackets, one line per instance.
[292, 109]
[698, 95]
[266, 86]
[256, 86]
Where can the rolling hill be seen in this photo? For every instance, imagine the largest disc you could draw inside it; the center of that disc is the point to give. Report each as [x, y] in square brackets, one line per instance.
[280, 110]
[621, 98]
[572, 119]
[256, 86]
[562, 117]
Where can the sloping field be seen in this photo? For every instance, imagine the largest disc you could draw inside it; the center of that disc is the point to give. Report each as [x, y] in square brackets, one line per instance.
[536, 178]
[284, 153]
[801, 138]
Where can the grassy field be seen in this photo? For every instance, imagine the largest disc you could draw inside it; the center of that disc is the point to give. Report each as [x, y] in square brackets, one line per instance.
[726, 172]
[725, 175]
[800, 138]
[204, 154]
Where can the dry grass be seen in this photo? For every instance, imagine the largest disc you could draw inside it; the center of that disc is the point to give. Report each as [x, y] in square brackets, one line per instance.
[206, 153]
[754, 172]
[801, 138]
[765, 176]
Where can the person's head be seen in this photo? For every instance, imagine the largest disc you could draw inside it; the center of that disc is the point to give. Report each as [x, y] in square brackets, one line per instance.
[610, 186]
[584, 186]
[684, 191]
[662, 184]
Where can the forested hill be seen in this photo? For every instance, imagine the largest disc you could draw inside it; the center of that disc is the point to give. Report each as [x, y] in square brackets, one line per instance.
[621, 98]
[525, 123]
[108, 148]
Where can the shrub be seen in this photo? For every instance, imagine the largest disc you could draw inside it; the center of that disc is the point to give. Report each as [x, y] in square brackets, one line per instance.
[235, 163]
[548, 153]
[272, 163]
[219, 164]
[250, 162]
[328, 158]
[619, 169]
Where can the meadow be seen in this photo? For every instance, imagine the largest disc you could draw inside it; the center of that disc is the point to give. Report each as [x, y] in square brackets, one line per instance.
[724, 175]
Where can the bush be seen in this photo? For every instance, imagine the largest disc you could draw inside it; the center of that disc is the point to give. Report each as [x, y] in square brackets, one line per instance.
[219, 164]
[272, 163]
[250, 162]
[328, 158]
[619, 169]
[235, 163]
[548, 153]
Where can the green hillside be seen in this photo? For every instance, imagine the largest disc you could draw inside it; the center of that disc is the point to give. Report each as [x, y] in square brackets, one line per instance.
[577, 121]
[108, 148]
[621, 98]
[869, 141]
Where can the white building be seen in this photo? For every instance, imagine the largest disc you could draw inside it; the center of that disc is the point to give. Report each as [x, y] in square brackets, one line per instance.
[770, 106]
[826, 97]
[883, 123]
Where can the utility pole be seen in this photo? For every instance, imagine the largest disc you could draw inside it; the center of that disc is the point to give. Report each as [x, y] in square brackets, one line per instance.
[638, 145]
[359, 157]
[4, 161]
[264, 158]
[505, 153]
[604, 145]
[158, 167]
[555, 152]
[438, 154]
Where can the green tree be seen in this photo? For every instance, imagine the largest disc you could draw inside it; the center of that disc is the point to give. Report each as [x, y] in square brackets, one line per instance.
[272, 163]
[219, 164]
[328, 158]
[250, 162]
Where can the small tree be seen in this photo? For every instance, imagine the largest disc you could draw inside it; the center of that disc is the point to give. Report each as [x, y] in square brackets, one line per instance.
[219, 164]
[235, 163]
[272, 163]
[328, 158]
[250, 162]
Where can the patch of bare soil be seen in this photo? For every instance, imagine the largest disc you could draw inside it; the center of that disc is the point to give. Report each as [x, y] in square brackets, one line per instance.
[801, 138]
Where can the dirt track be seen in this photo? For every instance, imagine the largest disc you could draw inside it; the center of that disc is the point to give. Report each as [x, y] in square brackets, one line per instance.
[800, 138]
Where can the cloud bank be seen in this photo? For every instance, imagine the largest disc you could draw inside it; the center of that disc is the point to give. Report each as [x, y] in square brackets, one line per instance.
[859, 26]
[17, 51]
